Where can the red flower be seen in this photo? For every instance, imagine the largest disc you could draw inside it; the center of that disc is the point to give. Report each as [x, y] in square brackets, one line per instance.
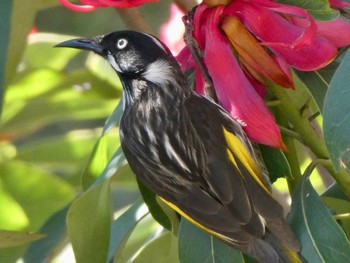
[246, 42]
[91, 5]
[338, 3]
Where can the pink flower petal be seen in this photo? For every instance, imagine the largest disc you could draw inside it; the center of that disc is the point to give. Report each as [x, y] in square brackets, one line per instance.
[299, 46]
[338, 3]
[198, 21]
[91, 5]
[77, 8]
[124, 3]
[336, 31]
[234, 91]
[259, 88]
[185, 60]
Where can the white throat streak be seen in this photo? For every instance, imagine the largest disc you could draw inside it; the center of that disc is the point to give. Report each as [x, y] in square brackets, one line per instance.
[114, 64]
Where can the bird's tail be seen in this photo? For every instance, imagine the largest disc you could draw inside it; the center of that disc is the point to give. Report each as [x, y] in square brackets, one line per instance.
[270, 250]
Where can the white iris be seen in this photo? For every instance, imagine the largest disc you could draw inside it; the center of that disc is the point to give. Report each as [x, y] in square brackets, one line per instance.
[122, 43]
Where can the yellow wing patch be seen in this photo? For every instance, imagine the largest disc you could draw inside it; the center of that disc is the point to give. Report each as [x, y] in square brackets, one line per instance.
[182, 213]
[237, 149]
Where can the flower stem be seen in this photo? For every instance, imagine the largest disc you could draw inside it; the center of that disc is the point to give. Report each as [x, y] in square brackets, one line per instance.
[294, 164]
[289, 138]
[309, 138]
[134, 20]
[186, 5]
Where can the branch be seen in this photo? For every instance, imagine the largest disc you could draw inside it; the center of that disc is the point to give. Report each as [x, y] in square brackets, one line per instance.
[134, 20]
[186, 5]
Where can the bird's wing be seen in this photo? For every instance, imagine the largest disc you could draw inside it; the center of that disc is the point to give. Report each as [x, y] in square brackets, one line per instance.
[235, 173]
[229, 161]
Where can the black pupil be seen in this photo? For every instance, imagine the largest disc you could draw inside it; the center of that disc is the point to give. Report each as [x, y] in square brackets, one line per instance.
[121, 43]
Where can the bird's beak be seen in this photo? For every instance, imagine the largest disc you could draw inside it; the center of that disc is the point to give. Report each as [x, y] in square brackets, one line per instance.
[91, 44]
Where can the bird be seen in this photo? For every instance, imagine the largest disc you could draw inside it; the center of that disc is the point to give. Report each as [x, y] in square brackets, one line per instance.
[190, 151]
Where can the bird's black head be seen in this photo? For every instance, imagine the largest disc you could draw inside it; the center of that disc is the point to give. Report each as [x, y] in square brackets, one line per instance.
[144, 64]
[128, 52]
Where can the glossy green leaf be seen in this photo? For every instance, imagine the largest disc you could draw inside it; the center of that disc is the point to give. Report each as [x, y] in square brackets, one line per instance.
[88, 224]
[171, 214]
[155, 209]
[55, 231]
[276, 163]
[39, 193]
[320, 9]
[13, 238]
[341, 210]
[159, 250]
[123, 226]
[318, 81]
[96, 163]
[117, 161]
[335, 191]
[336, 124]
[321, 237]
[114, 119]
[196, 246]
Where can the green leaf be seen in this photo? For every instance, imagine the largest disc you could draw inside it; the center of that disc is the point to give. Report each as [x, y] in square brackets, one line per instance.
[38, 192]
[114, 118]
[123, 226]
[65, 152]
[155, 209]
[23, 15]
[117, 162]
[276, 163]
[340, 207]
[88, 224]
[335, 191]
[197, 246]
[159, 250]
[13, 238]
[320, 236]
[44, 96]
[44, 42]
[320, 9]
[172, 215]
[12, 215]
[5, 28]
[96, 163]
[98, 159]
[336, 124]
[318, 81]
[55, 231]
[102, 70]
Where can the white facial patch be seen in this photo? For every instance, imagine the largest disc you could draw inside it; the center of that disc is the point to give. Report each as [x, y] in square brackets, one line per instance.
[114, 64]
[159, 72]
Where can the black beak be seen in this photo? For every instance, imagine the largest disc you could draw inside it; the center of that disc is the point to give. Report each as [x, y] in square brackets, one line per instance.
[90, 44]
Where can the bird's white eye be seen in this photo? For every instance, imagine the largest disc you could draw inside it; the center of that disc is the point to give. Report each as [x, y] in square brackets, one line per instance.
[122, 43]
